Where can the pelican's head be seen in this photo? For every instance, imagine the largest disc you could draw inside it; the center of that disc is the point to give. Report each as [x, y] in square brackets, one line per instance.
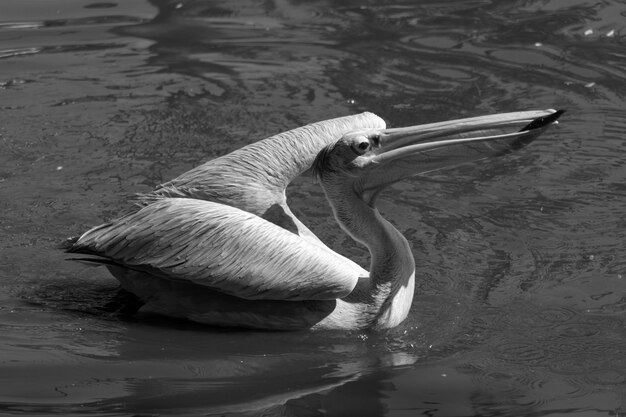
[348, 155]
[368, 160]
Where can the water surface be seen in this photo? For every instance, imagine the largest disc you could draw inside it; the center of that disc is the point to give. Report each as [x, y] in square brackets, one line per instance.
[521, 296]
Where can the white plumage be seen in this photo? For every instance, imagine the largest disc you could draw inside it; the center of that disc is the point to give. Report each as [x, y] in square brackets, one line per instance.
[219, 245]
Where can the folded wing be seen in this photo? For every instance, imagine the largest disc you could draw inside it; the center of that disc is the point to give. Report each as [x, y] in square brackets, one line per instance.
[223, 248]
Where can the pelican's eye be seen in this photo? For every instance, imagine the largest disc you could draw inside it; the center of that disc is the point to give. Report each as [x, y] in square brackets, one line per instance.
[361, 146]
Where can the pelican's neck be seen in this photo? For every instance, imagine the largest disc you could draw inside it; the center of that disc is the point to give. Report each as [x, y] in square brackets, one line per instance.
[392, 267]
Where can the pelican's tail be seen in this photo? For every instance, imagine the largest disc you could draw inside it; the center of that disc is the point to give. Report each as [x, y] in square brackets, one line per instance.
[68, 243]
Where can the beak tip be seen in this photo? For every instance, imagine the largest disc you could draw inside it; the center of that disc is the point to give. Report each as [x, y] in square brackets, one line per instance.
[537, 123]
[543, 121]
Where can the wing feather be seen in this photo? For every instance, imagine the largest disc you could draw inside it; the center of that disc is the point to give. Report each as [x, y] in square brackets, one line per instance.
[223, 248]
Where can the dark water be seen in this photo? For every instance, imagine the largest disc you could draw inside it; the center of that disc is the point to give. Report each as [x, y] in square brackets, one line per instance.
[521, 296]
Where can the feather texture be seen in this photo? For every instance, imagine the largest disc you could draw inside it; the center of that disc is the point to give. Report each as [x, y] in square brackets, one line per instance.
[254, 178]
[219, 244]
[223, 248]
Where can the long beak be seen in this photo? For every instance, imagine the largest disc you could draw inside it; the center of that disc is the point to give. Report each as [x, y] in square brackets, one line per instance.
[409, 151]
[529, 125]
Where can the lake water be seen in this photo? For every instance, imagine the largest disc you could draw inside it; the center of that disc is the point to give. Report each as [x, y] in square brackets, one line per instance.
[520, 306]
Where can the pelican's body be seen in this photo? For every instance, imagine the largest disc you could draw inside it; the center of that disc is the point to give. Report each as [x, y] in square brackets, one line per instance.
[218, 245]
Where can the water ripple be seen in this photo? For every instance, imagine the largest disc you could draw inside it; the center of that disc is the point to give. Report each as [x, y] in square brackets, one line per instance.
[11, 53]
[522, 275]
[527, 353]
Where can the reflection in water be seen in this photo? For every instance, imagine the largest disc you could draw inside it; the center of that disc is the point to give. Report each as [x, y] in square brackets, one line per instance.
[147, 369]
[520, 306]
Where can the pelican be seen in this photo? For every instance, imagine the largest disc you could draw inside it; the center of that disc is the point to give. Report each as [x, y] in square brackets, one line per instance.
[218, 245]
